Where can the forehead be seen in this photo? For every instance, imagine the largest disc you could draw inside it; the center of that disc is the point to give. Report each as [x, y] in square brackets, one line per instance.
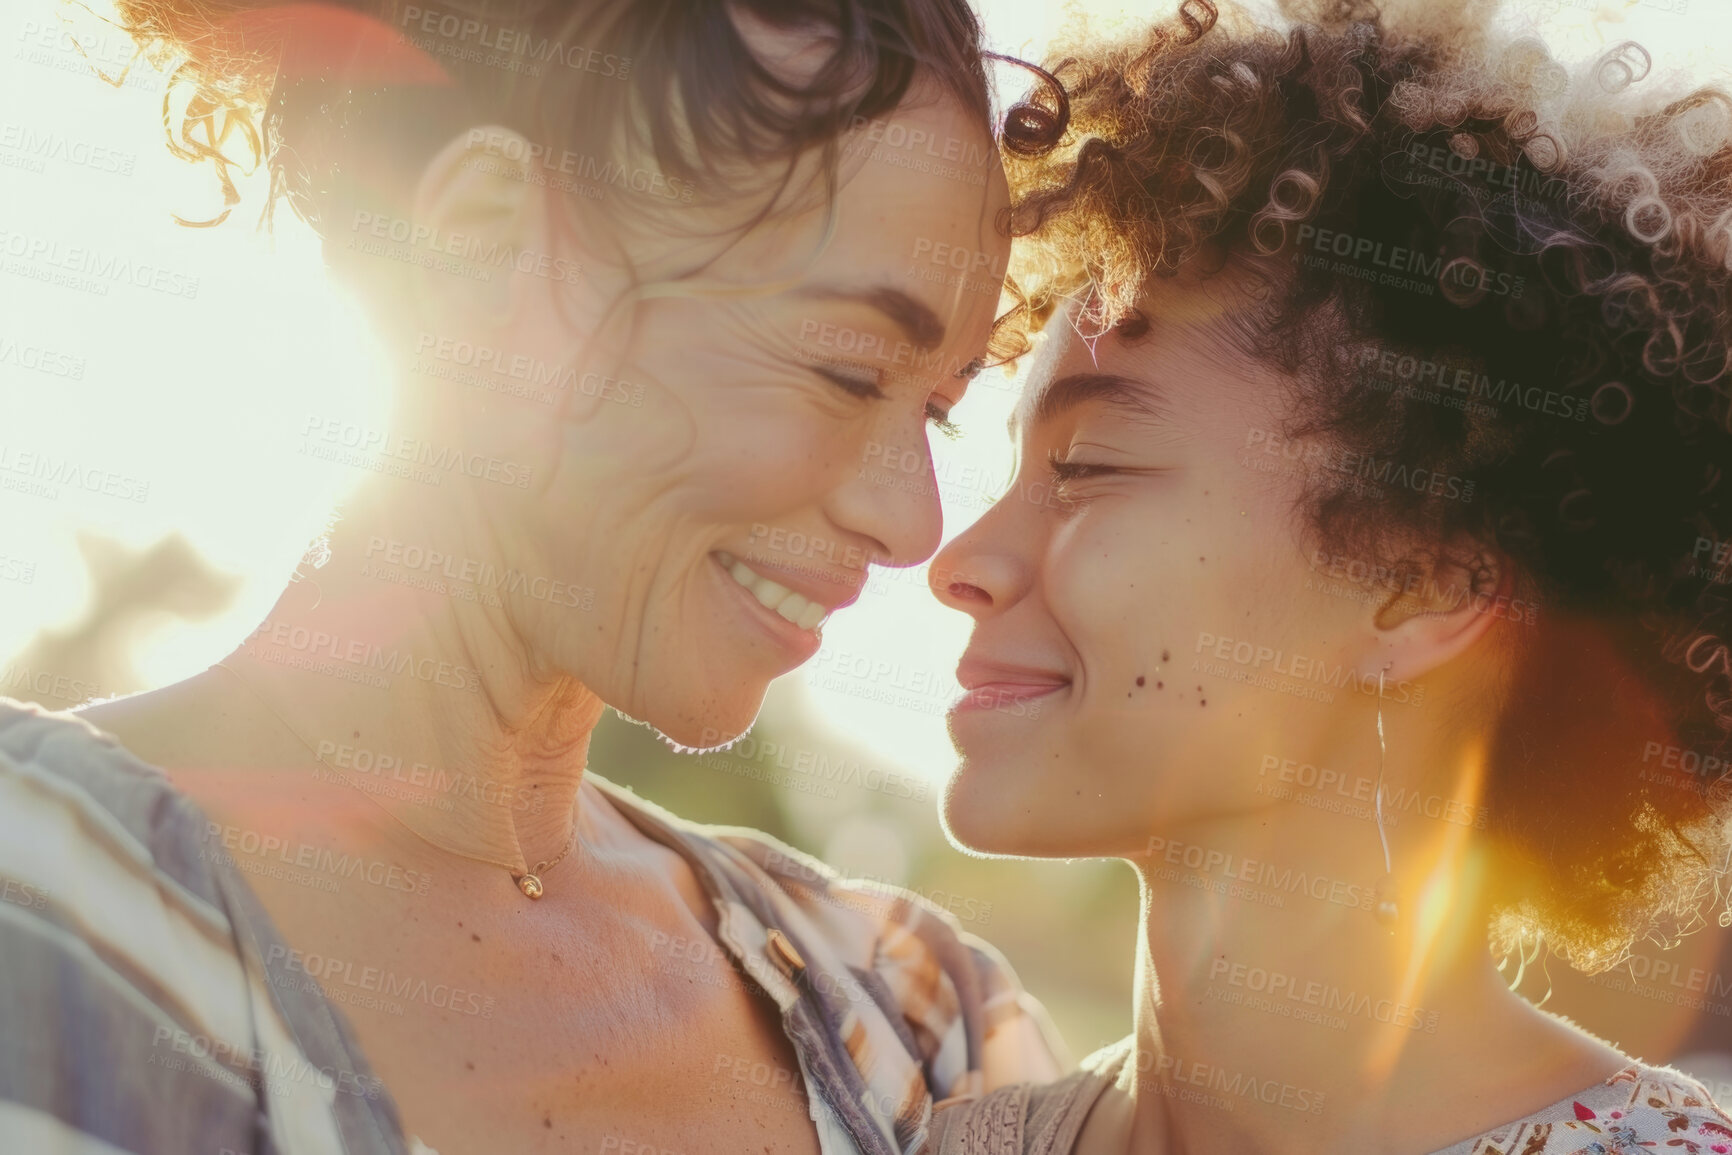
[916, 209]
[1200, 336]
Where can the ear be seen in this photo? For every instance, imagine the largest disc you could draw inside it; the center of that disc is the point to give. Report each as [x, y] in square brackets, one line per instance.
[1440, 610]
[474, 185]
[487, 195]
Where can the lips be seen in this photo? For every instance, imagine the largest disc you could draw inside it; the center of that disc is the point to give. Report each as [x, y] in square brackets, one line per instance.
[991, 685]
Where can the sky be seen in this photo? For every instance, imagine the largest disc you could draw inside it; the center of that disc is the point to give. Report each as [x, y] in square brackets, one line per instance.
[187, 383]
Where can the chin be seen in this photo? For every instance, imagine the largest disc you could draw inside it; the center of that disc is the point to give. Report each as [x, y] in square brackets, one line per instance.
[984, 813]
[705, 723]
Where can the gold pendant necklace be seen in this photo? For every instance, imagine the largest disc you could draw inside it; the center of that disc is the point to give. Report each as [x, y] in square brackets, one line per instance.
[528, 882]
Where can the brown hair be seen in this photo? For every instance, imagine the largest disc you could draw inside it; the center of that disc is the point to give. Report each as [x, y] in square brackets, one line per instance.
[673, 78]
[1562, 239]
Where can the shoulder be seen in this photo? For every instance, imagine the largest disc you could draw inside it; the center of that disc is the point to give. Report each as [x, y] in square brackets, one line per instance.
[135, 1013]
[1643, 1103]
[962, 1002]
[1639, 1108]
[1027, 1118]
[70, 789]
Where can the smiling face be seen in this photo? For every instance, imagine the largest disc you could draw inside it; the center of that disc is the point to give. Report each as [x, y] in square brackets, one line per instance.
[732, 502]
[1147, 525]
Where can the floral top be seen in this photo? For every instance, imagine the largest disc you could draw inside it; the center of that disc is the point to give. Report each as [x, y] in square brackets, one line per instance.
[1641, 1110]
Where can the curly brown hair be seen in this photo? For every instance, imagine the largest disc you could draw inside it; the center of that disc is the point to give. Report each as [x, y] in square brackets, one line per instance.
[1424, 194]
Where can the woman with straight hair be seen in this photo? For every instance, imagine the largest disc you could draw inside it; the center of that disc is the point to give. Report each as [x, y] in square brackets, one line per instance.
[645, 276]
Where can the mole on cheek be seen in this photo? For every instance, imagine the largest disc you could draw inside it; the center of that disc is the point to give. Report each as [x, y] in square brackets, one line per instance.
[1139, 679]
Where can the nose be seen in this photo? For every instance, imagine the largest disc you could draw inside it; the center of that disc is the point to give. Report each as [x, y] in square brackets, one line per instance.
[892, 498]
[988, 567]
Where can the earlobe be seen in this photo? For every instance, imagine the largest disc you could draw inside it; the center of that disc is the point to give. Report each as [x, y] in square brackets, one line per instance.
[1456, 608]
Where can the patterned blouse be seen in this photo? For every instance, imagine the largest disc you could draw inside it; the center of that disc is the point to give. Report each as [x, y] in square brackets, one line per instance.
[139, 1013]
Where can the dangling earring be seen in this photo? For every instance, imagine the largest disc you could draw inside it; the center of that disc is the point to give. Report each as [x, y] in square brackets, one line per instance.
[1387, 911]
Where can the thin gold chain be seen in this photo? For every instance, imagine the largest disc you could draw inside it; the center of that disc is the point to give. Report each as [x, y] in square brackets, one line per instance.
[540, 867]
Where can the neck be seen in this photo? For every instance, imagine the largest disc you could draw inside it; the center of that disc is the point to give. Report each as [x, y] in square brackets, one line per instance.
[413, 683]
[1275, 1013]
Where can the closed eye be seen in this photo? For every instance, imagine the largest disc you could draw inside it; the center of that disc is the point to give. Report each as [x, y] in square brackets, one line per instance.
[940, 420]
[1063, 471]
[854, 385]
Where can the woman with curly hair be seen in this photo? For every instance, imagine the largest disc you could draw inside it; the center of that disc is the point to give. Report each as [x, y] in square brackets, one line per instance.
[1371, 532]
[649, 278]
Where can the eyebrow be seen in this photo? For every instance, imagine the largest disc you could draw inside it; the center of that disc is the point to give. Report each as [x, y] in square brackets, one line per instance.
[1141, 398]
[914, 317]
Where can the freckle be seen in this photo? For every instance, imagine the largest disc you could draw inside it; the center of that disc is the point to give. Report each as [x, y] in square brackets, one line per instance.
[468, 1064]
[1204, 702]
[1160, 685]
[1139, 679]
[474, 937]
[546, 1122]
[1166, 657]
[1199, 561]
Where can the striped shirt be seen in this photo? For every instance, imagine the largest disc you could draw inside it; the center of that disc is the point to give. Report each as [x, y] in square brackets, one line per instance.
[137, 1013]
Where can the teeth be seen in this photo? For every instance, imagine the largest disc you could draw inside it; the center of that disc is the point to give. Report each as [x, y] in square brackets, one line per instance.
[772, 596]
